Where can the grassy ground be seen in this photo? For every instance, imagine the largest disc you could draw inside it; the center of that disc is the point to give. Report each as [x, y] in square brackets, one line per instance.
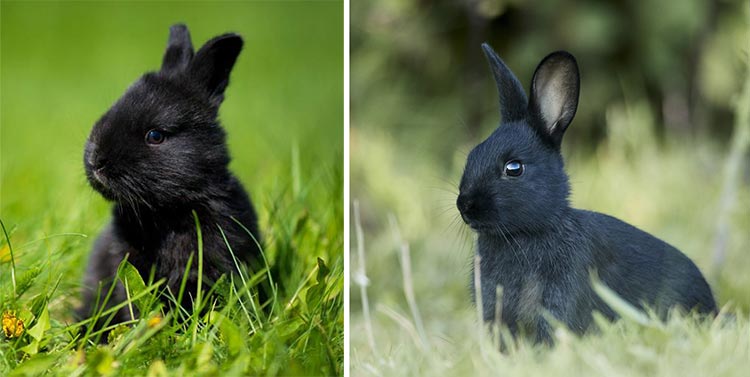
[62, 66]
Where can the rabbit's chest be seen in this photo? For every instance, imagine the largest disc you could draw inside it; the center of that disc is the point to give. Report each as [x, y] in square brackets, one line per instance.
[525, 279]
[170, 252]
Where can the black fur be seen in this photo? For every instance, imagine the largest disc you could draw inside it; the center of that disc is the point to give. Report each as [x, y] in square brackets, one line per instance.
[537, 248]
[155, 187]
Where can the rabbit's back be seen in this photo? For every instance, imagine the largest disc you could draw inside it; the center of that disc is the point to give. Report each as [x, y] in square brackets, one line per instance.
[643, 269]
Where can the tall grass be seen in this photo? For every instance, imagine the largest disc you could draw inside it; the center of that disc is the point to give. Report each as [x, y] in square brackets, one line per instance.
[301, 330]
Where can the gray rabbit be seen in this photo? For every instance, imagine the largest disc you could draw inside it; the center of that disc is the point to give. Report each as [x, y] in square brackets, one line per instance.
[514, 195]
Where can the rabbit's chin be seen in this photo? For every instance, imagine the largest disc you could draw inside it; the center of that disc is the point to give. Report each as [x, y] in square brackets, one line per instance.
[109, 189]
[105, 192]
[480, 227]
[491, 229]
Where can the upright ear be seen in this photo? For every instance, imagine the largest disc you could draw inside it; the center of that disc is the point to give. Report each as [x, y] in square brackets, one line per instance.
[179, 49]
[554, 94]
[513, 102]
[212, 64]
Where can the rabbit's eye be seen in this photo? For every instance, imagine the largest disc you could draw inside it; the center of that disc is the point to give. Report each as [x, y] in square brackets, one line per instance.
[155, 137]
[513, 168]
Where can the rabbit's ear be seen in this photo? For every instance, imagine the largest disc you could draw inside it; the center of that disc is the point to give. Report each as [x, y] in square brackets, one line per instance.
[179, 49]
[554, 94]
[513, 102]
[212, 63]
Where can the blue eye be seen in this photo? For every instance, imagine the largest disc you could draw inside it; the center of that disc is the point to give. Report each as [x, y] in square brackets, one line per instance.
[513, 168]
[155, 137]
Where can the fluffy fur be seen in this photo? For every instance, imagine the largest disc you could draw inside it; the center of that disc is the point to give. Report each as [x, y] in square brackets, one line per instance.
[157, 183]
[538, 248]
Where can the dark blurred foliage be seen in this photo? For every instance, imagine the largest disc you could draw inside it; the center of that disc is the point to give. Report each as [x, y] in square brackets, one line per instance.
[418, 72]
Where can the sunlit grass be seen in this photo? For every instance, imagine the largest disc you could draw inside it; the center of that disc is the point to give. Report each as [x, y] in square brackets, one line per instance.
[300, 331]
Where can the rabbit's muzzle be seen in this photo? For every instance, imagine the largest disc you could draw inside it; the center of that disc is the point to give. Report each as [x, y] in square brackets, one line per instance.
[472, 209]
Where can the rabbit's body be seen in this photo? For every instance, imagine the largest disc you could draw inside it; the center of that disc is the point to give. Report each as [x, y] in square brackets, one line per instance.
[548, 269]
[514, 194]
[160, 155]
[164, 240]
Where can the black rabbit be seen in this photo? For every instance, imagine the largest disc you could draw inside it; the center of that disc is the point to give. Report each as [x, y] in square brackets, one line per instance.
[514, 194]
[159, 154]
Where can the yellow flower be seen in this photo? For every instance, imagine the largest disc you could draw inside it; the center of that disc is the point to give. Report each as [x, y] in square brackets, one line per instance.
[12, 326]
[5, 254]
[154, 321]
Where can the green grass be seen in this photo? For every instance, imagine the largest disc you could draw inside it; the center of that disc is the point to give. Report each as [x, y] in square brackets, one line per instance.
[62, 65]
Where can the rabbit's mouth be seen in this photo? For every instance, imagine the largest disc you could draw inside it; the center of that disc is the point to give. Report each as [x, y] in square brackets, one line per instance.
[98, 176]
[474, 224]
[100, 183]
[468, 221]
[479, 227]
[95, 172]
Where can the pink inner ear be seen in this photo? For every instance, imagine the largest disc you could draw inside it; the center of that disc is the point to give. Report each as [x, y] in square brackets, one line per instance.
[552, 96]
[551, 102]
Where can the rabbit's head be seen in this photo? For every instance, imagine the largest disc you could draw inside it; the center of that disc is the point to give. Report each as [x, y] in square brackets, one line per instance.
[514, 180]
[161, 143]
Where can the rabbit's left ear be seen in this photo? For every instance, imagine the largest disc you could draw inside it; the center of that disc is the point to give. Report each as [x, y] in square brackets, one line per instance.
[213, 62]
[554, 95]
[513, 102]
[179, 49]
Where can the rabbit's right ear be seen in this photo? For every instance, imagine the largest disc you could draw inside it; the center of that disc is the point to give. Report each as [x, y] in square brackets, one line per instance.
[513, 102]
[213, 62]
[554, 95]
[179, 50]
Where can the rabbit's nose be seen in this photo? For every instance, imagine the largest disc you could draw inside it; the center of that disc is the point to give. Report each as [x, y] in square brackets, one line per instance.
[464, 203]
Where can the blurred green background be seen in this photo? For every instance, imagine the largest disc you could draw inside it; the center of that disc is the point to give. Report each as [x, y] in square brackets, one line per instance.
[65, 63]
[682, 59]
[658, 113]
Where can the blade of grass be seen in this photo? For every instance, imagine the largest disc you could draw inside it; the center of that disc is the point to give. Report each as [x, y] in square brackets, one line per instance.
[12, 260]
[244, 282]
[360, 278]
[198, 291]
[408, 282]
[274, 289]
[732, 172]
